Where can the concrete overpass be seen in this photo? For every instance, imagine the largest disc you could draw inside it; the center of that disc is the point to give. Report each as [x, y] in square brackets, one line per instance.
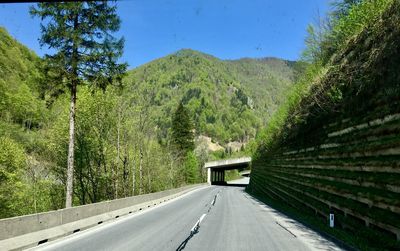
[245, 173]
[216, 169]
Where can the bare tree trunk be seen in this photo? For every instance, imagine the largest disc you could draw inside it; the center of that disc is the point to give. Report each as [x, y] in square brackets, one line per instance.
[34, 191]
[148, 166]
[141, 169]
[148, 174]
[118, 154]
[70, 170]
[171, 171]
[125, 171]
[134, 170]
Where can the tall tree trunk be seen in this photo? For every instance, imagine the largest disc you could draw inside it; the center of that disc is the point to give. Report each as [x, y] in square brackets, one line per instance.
[148, 177]
[70, 170]
[134, 170]
[141, 169]
[125, 164]
[80, 177]
[125, 172]
[71, 145]
[171, 171]
[118, 153]
[148, 166]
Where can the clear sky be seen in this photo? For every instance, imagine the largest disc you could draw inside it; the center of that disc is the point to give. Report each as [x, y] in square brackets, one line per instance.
[227, 29]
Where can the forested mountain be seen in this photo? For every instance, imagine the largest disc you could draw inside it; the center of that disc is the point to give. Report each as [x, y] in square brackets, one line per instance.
[123, 134]
[22, 113]
[19, 82]
[229, 100]
[265, 80]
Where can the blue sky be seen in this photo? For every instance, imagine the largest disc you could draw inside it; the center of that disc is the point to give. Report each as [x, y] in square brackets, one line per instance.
[227, 29]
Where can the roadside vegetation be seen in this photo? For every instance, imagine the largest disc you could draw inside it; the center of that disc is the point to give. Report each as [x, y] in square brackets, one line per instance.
[351, 78]
[325, 39]
[126, 127]
[127, 131]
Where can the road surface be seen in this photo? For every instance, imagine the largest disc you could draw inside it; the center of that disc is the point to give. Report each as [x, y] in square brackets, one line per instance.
[231, 220]
[242, 181]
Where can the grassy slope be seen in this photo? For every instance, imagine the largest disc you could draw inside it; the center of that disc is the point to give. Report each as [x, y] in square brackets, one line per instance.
[361, 83]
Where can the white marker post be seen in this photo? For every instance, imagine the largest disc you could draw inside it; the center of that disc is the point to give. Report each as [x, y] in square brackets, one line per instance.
[331, 220]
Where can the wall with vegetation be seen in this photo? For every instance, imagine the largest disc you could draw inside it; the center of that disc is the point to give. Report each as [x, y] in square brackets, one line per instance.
[339, 150]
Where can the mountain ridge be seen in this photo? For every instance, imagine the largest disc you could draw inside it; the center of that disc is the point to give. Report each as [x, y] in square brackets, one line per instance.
[250, 87]
[229, 99]
[184, 51]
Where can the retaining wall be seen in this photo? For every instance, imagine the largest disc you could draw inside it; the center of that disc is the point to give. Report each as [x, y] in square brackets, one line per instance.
[344, 155]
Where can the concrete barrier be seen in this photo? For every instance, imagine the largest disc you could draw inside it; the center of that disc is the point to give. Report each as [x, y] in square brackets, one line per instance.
[29, 230]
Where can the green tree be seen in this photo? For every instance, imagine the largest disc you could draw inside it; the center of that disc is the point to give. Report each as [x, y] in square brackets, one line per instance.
[12, 164]
[182, 131]
[86, 53]
[191, 168]
[342, 8]
[349, 17]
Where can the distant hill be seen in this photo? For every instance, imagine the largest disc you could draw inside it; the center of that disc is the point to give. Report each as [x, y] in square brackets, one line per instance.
[265, 80]
[132, 124]
[19, 82]
[228, 99]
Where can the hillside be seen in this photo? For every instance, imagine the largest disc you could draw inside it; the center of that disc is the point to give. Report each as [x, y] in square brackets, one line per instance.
[265, 80]
[122, 134]
[22, 114]
[334, 147]
[19, 80]
[229, 100]
[226, 98]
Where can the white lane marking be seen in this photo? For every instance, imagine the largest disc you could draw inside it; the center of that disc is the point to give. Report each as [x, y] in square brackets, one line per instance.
[197, 225]
[93, 230]
[194, 228]
[201, 218]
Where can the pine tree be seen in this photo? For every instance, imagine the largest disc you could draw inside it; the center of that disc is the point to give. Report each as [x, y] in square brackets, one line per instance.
[86, 53]
[182, 131]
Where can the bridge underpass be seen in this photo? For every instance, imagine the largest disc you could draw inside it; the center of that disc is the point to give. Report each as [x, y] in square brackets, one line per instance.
[216, 169]
[203, 218]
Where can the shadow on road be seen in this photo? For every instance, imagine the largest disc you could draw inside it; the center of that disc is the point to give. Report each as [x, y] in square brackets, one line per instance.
[231, 185]
[320, 240]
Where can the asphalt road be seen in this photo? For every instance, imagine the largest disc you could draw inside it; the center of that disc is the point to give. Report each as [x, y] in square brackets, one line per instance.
[235, 221]
[242, 181]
